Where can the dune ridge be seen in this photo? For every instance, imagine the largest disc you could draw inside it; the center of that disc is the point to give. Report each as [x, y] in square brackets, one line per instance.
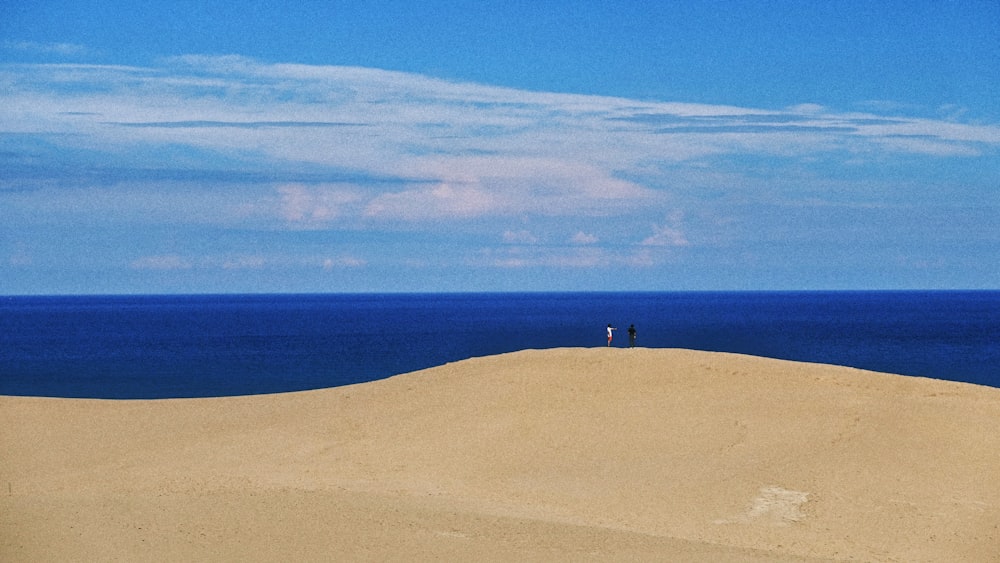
[567, 454]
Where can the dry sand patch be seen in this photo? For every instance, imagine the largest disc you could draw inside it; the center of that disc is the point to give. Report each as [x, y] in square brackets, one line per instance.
[569, 454]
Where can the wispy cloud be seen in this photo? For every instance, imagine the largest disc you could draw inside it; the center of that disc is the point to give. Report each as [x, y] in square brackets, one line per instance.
[231, 142]
[562, 257]
[401, 124]
[519, 237]
[162, 262]
[234, 124]
[60, 49]
[315, 207]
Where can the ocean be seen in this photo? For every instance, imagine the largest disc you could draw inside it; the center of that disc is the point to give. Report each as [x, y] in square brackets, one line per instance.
[130, 347]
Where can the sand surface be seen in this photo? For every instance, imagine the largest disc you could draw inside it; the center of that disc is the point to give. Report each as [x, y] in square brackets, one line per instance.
[557, 455]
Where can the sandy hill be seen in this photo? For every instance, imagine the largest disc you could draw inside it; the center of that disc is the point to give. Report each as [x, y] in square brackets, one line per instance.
[569, 454]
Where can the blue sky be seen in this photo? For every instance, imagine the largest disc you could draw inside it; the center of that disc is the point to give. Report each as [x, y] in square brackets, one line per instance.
[204, 147]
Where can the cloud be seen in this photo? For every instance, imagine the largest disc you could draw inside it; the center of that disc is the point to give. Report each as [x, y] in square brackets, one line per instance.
[927, 145]
[546, 257]
[668, 234]
[806, 108]
[250, 261]
[583, 238]
[444, 200]
[477, 186]
[331, 263]
[561, 257]
[60, 49]
[233, 124]
[237, 145]
[665, 236]
[519, 237]
[244, 263]
[161, 262]
[312, 207]
[20, 257]
[474, 139]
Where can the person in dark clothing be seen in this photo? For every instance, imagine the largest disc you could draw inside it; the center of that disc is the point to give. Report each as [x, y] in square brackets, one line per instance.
[631, 336]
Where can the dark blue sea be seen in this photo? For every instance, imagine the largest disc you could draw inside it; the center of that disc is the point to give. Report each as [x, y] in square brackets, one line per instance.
[126, 347]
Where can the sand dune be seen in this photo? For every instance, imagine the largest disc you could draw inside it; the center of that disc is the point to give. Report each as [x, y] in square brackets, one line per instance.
[570, 454]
